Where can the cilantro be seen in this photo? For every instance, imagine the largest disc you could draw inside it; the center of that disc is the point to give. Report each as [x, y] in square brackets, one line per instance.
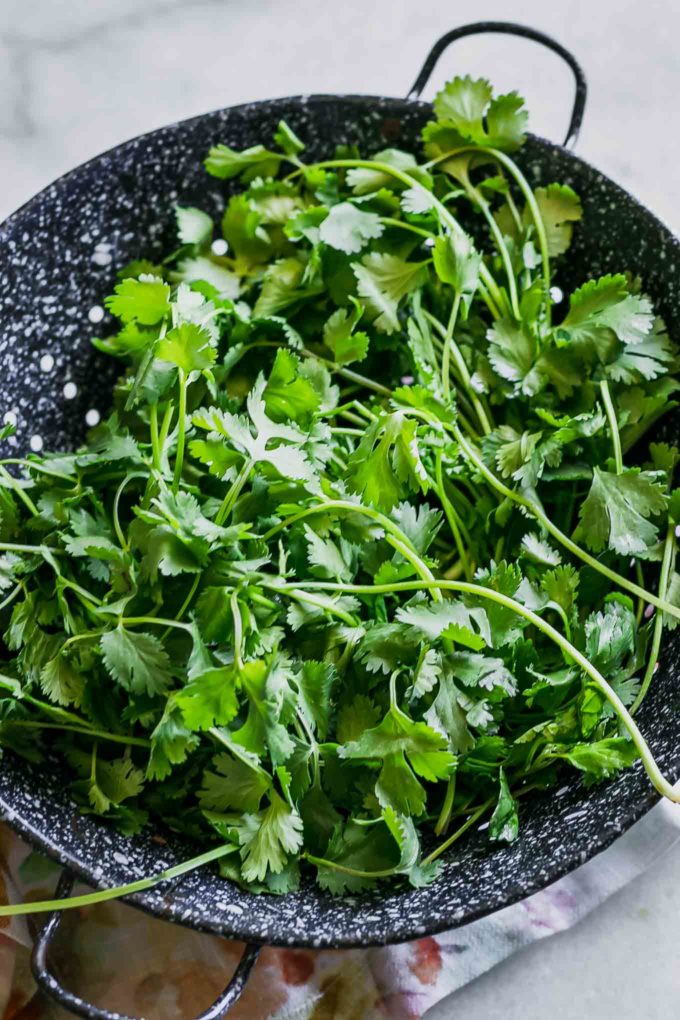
[617, 509]
[145, 300]
[352, 556]
[504, 824]
[382, 281]
[348, 228]
[137, 661]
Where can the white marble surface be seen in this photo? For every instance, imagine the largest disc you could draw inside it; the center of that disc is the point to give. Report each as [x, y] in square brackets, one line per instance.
[77, 76]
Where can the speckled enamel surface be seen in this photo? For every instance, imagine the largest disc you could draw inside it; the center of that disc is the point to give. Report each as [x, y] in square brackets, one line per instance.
[58, 257]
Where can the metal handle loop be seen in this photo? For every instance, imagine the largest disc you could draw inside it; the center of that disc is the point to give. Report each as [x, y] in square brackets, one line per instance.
[509, 28]
[49, 984]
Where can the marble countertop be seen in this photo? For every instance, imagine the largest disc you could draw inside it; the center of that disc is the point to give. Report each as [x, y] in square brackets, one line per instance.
[77, 77]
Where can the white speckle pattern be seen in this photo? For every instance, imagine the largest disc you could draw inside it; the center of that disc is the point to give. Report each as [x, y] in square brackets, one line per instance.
[219, 246]
[556, 293]
[92, 417]
[46, 363]
[9, 418]
[96, 314]
[36, 443]
[49, 281]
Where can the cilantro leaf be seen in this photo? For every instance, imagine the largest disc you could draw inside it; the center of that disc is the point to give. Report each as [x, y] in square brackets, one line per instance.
[193, 225]
[188, 347]
[268, 837]
[348, 228]
[617, 509]
[382, 281]
[137, 661]
[504, 824]
[467, 109]
[146, 300]
[340, 338]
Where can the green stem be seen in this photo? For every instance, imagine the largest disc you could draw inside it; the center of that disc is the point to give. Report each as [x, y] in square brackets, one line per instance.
[233, 492]
[529, 197]
[659, 782]
[115, 738]
[159, 621]
[181, 430]
[116, 502]
[153, 429]
[445, 813]
[563, 539]
[87, 899]
[238, 630]
[35, 466]
[11, 597]
[299, 595]
[448, 341]
[451, 516]
[476, 196]
[395, 535]
[463, 372]
[165, 426]
[403, 225]
[443, 847]
[664, 578]
[613, 424]
[23, 496]
[532, 205]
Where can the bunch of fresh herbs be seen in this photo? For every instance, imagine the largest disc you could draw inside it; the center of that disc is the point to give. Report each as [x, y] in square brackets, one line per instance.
[366, 549]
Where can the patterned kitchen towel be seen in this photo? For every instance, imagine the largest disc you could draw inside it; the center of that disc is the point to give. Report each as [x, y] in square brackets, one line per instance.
[118, 957]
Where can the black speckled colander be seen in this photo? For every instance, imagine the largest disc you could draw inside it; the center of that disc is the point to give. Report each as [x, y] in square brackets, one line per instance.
[58, 258]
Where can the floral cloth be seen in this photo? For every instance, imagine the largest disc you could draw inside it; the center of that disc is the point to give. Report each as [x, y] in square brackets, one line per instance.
[120, 958]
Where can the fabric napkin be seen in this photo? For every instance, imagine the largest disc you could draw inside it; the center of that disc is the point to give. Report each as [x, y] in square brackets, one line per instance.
[120, 958]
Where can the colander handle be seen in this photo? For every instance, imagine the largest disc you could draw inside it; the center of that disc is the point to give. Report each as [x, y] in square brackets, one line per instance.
[509, 28]
[49, 984]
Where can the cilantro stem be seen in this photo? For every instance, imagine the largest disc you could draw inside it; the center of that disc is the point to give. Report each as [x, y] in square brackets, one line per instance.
[658, 781]
[613, 424]
[153, 429]
[247, 757]
[403, 225]
[116, 503]
[322, 862]
[187, 601]
[451, 516]
[33, 465]
[476, 196]
[563, 539]
[443, 847]
[530, 199]
[102, 895]
[165, 424]
[233, 492]
[36, 550]
[305, 597]
[181, 430]
[448, 342]
[395, 536]
[362, 380]
[12, 595]
[238, 630]
[137, 621]
[23, 496]
[664, 578]
[463, 371]
[533, 207]
[115, 738]
[442, 823]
